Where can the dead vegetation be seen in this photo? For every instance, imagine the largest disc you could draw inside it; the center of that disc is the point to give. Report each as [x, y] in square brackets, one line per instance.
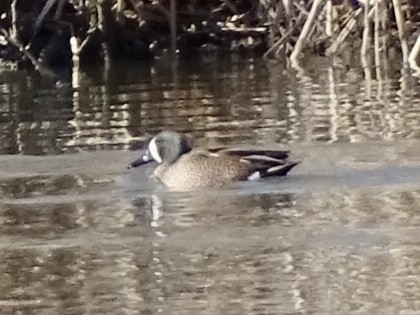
[47, 34]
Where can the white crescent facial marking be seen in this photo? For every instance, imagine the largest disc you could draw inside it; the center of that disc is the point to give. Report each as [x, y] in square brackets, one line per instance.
[154, 152]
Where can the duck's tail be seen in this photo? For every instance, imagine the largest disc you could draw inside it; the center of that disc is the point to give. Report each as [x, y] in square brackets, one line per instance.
[278, 170]
[265, 163]
[267, 167]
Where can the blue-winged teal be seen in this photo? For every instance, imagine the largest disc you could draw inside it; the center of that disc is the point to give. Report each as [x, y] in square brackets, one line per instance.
[180, 166]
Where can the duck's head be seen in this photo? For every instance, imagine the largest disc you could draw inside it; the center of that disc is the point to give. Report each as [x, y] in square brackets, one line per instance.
[165, 147]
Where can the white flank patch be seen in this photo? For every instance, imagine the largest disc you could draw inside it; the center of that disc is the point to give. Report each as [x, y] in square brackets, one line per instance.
[254, 176]
[154, 152]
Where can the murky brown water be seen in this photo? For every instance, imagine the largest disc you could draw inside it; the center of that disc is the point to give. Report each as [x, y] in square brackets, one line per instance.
[80, 234]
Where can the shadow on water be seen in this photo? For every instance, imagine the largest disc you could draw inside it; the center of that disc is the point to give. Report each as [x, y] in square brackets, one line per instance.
[80, 234]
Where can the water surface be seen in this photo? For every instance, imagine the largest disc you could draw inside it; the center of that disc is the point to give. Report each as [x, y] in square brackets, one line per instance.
[81, 234]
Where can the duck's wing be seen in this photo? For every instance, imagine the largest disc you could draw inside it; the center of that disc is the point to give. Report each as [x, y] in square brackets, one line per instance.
[269, 166]
[263, 162]
[275, 154]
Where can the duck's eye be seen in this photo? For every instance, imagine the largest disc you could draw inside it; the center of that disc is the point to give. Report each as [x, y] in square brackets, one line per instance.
[158, 141]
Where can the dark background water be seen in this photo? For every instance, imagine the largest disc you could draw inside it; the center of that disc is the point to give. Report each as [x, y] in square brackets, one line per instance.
[229, 101]
[80, 234]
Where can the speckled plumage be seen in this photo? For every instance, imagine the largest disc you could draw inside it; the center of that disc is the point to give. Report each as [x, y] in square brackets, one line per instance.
[198, 169]
[182, 167]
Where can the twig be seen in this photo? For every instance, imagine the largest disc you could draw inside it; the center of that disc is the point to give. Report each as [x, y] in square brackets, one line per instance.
[231, 6]
[377, 43]
[245, 30]
[401, 32]
[172, 23]
[47, 7]
[288, 12]
[349, 16]
[120, 9]
[285, 37]
[278, 43]
[75, 46]
[366, 33]
[103, 26]
[13, 33]
[414, 54]
[328, 21]
[344, 32]
[59, 9]
[304, 11]
[37, 65]
[301, 8]
[75, 50]
[305, 31]
[286, 6]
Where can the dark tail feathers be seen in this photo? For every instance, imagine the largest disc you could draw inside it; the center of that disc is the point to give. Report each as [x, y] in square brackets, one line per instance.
[278, 170]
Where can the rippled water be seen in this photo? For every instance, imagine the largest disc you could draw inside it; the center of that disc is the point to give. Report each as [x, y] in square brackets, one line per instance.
[80, 234]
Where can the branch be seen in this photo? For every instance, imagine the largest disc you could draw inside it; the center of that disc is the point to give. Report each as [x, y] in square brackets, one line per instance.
[37, 65]
[366, 34]
[401, 32]
[377, 43]
[414, 54]
[305, 31]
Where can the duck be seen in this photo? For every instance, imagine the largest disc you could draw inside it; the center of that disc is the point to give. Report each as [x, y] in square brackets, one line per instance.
[181, 166]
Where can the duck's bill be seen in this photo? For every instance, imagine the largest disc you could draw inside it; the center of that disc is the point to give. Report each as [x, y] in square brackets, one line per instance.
[145, 158]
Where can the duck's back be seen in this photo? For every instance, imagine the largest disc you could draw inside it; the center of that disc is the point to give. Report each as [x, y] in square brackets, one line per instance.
[202, 169]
